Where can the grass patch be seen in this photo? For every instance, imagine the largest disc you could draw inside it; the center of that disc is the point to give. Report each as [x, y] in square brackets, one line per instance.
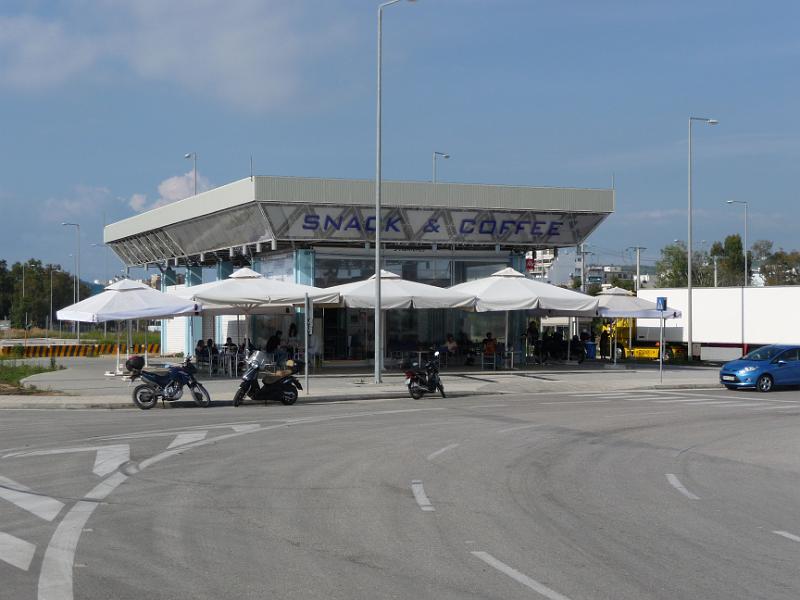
[12, 373]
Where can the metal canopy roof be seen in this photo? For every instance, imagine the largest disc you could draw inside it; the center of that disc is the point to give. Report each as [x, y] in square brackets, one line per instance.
[238, 217]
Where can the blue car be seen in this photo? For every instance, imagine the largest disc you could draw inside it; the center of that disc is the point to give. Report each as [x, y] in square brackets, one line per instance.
[763, 369]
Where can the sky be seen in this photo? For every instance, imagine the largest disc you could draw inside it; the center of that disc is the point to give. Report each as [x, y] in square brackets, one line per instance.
[101, 99]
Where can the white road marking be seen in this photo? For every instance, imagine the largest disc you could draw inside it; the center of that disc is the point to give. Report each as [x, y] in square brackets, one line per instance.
[716, 402]
[576, 402]
[433, 455]
[107, 460]
[601, 394]
[16, 552]
[420, 497]
[518, 427]
[188, 438]
[773, 407]
[55, 578]
[537, 587]
[40, 505]
[675, 482]
[487, 406]
[245, 428]
[679, 401]
[788, 536]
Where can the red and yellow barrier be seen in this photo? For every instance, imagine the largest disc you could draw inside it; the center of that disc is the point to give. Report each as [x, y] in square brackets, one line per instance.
[67, 350]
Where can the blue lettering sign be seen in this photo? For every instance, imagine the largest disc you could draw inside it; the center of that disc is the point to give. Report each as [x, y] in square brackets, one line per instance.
[369, 224]
[467, 226]
[521, 225]
[535, 229]
[487, 227]
[554, 225]
[353, 223]
[391, 223]
[311, 222]
[504, 225]
[332, 223]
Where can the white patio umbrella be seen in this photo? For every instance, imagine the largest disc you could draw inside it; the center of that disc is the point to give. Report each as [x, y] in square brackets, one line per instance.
[397, 292]
[618, 303]
[124, 301]
[509, 289]
[249, 292]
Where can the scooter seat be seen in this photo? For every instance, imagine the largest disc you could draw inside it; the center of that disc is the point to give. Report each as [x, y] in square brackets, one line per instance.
[270, 379]
[160, 377]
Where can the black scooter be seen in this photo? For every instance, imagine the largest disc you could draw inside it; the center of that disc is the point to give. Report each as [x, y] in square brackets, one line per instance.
[272, 387]
[420, 382]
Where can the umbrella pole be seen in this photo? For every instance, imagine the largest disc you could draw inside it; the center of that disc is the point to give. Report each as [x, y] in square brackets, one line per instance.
[145, 344]
[508, 346]
[630, 337]
[119, 366]
[614, 329]
[128, 344]
[569, 335]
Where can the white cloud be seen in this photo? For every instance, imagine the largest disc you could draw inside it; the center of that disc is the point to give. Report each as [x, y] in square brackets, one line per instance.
[171, 189]
[252, 54]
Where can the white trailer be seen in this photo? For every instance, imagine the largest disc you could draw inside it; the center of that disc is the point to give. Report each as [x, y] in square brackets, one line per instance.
[726, 320]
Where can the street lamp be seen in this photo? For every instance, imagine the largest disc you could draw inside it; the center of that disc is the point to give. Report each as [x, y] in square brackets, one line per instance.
[77, 271]
[378, 220]
[707, 121]
[50, 316]
[435, 156]
[746, 272]
[193, 156]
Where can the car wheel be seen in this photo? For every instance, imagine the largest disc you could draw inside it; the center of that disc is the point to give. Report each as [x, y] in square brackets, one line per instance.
[764, 383]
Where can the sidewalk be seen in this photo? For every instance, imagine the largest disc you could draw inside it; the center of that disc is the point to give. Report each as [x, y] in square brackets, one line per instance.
[84, 385]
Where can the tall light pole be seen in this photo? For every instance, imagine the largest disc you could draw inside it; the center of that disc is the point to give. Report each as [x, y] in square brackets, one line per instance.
[50, 316]
[77, 270]
[193, 156]
[435, 156]
[689, 240]
[638, 264]
[746, 272]
[378, 220]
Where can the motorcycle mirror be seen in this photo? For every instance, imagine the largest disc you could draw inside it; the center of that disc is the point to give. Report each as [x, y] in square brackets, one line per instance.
[436, 353]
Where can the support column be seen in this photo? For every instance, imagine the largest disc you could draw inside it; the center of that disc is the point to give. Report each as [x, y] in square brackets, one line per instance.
[168, 277]
[224, 270]
[194, 325]
[304, 266]
[517, 321]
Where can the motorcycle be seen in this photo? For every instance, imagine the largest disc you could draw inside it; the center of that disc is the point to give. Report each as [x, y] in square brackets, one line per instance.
[167, 387]
[272, 387]
[420, 382]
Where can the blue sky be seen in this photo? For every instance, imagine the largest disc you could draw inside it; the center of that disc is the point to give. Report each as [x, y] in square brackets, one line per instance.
[101, 99]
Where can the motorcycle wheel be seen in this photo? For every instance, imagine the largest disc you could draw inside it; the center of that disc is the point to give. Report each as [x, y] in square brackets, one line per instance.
[201, 396]
[239, 397]
[441, 390]
[289, 395]
[416, 392]
[145, 396]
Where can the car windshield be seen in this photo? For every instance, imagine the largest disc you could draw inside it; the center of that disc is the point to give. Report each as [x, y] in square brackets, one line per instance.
[765, 353]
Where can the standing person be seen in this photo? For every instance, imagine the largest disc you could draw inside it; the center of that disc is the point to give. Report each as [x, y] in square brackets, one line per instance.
[604, 340]
[292, 343]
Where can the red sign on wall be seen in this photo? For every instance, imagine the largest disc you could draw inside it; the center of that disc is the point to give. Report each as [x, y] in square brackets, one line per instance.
[530, 264]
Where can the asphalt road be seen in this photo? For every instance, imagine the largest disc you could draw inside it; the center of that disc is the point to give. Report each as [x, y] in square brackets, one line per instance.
[619, 495]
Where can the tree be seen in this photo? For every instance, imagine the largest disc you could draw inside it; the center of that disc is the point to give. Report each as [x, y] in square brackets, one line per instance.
[781, 268]
[672, 267]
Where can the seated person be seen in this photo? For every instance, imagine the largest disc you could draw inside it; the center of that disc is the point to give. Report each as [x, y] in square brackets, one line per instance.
[274, 342]
[229, 345]
[489, 344]
[451, 344]
[211, 347]
[200, 350]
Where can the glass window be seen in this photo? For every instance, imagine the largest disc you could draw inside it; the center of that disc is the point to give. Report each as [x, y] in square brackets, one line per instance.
[765, 353]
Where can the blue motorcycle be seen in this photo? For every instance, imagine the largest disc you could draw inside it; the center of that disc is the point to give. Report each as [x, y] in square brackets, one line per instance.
[167, 387]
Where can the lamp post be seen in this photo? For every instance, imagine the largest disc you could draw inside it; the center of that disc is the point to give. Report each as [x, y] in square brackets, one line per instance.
[193, 156]
[638, 265]
[707, 121]
[50, 315]
[435, 156]
[378, 220]
[77, 271]
[746, 272]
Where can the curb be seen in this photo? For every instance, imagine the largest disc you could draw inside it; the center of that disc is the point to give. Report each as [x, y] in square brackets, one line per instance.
[393, 395]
